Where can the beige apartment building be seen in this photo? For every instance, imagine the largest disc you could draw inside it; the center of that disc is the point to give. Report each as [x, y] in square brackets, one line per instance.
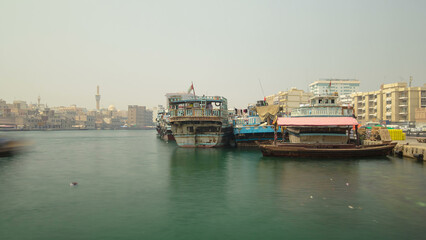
[139, 116]
[289, 100]
[395, 102]
[420, 117]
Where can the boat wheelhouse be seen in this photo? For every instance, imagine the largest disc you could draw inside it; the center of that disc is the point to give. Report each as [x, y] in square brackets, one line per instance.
[323, 106]
[200, 121]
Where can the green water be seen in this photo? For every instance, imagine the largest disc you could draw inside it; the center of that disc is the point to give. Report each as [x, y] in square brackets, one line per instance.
[133, 186]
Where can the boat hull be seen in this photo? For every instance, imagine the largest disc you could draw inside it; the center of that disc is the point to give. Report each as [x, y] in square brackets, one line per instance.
[202, 140]
[326, 151]
[12, 147]
[252, 136]
[168, 137]
[198, 139]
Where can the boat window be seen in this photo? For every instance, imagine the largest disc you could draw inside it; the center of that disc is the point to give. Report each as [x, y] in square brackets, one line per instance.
[207, 129]
[332, 100]
[326, 101]
[190, 129]
[320, 101]
[313, 101]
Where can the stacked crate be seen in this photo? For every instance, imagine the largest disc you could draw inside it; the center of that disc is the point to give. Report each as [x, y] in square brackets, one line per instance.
[396, 134]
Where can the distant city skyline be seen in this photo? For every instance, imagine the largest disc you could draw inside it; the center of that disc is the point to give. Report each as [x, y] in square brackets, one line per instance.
[138, 51]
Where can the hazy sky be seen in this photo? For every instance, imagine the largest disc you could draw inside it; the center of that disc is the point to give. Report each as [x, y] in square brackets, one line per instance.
[137, 51]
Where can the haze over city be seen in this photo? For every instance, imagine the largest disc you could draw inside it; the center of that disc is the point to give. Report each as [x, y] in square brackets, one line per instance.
[137, 51]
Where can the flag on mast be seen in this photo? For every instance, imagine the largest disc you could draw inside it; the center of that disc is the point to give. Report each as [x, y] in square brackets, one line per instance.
[191, 88]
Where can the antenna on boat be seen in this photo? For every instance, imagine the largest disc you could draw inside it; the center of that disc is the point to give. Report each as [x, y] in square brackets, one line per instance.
[263, 93]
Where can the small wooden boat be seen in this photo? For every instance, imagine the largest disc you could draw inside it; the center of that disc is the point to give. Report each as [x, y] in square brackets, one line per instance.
[326, 150]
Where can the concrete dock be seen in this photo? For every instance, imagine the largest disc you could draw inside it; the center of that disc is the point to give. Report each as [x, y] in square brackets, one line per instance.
[406, 148]
[411, 148]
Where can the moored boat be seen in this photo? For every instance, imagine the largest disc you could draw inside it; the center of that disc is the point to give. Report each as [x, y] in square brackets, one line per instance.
[163, 127]
[254, 127]
[326, 150]
[323, 130]
[200, 121]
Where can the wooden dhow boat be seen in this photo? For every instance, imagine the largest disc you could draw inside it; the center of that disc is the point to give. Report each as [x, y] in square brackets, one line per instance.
[326, 150]
[322, 130]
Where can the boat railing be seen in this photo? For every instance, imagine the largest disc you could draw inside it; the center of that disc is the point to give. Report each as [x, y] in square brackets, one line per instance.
[197, 99]
[322, 111]
[196, 113]
[253, 120]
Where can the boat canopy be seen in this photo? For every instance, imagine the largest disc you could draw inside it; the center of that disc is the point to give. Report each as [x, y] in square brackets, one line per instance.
[267, 111]
[317, 121]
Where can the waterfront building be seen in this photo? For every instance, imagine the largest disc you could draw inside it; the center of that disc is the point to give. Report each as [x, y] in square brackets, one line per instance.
[289, 100]
[330, 85]
[20, 104]
[4, 109]
[420, 116]
[156, 111]
[139, 117]
[395, 103]
[85, 121]
[344, 87]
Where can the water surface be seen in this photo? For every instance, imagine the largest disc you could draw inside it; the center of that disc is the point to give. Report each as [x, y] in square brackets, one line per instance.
[132, 185]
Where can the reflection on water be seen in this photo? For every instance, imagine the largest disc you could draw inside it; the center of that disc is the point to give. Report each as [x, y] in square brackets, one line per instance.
[133, 185]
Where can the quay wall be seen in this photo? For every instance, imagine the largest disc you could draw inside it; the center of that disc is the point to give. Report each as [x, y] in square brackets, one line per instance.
[406, 148]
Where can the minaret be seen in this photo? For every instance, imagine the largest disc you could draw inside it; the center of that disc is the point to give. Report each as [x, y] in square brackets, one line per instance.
[38, 99]
[98, 99]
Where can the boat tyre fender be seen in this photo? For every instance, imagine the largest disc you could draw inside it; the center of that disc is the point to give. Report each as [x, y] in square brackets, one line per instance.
[217, 104]
[398, 153]
[418, 157]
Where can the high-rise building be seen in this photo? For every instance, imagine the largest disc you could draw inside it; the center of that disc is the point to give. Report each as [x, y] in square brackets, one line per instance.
[139, 117]
[289, 100]
[98, 99]
[395, 102]
[344, 87]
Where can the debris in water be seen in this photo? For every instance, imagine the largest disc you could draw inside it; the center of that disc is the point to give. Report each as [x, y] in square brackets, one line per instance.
[73, 184]
[351, 207]
[347, 184]
[311, 197]
[421, 204]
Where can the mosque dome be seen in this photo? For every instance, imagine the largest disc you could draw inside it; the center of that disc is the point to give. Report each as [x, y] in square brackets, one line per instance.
[112, 108]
